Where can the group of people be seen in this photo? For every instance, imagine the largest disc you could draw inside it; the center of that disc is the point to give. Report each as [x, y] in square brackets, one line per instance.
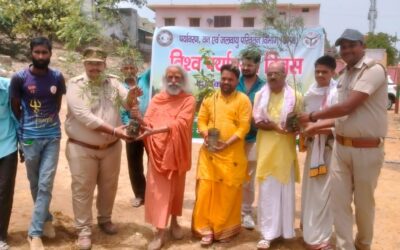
[249, 133]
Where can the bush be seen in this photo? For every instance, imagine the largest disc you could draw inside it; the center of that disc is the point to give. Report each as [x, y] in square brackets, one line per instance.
[77, 30]
[28, 19]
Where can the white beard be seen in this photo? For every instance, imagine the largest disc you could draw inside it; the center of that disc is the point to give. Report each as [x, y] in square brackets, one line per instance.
[173, 89]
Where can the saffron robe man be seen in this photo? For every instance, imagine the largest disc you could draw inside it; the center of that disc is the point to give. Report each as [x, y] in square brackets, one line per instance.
[220, 174]
[168, 137]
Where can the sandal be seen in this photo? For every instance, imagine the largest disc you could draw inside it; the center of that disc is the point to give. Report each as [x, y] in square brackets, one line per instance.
[137, 202]
[207, 240]
[263, 244]
[157, 242]
[177, 232]
[328, 247]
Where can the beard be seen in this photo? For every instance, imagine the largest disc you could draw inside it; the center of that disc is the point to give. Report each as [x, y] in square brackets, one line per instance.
[226, 89]
[130, 77]
[249, 74]
[40, 64]
[174, 89]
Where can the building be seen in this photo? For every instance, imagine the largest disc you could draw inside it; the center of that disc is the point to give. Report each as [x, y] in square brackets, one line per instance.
[208, 15]
[130, 27]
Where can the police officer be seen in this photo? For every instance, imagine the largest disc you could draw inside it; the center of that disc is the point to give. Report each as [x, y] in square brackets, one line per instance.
[93, 148]
[358, 151]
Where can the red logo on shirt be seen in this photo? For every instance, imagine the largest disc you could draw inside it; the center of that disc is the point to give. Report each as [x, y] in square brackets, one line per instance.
[32, 89]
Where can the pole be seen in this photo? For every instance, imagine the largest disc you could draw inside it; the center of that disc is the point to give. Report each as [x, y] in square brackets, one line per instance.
[396, 101]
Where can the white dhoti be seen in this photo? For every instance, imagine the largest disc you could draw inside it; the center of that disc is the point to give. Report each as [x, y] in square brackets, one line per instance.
[316, 215]
[276, 208]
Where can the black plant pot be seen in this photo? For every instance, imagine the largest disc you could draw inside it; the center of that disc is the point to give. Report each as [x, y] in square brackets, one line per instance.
[133, 128]
[292, 122]
[213, 138]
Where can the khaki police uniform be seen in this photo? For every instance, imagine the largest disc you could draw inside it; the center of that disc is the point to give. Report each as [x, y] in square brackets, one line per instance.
[94, 157]
[358, 154]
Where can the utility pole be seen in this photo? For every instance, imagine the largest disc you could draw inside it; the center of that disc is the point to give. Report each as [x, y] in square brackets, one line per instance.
[372, 16]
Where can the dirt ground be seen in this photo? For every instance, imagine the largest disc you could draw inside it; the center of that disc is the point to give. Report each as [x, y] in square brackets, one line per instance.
[134, 233]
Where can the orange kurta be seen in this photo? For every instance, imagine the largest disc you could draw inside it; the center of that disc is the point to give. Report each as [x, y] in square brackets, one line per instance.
[169, 155]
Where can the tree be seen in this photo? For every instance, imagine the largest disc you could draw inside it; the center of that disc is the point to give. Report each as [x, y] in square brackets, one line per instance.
[57, 19]
[288, 28]
[29, 18]
[77, 30]
[108, 9]
[32, 18]
[384, 41]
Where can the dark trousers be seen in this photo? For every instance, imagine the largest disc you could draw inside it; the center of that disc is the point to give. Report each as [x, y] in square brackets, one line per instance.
[134, 153]
[8, 171]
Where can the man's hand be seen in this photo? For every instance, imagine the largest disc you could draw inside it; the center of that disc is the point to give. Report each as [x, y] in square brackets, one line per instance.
[146, 132]
[280, 130]
[310, 130]
[204, 134]
[133, 94]
[205, 143]
[135, 112]
[139, 92]
[120, 132]
[304, 118]
[221, 146]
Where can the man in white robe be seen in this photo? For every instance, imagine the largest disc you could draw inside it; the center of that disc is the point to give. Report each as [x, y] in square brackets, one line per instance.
[316, 217]
[277, 167]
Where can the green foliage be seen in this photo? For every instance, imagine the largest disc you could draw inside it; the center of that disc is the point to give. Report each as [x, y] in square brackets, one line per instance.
[251, 51]
[125, 50]
[6, 25]
[384, 41]
[108, 8]
[77, 30]
[70, 61]
[204, 78]
[288, 28]
[56, 19]
[33, 18]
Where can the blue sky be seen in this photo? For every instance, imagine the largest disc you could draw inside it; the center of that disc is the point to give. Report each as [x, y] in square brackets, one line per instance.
[335, 15]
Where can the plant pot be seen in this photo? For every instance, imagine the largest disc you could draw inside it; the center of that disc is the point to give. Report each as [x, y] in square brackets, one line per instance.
[292, 122]
[133, 128]
[213, 138]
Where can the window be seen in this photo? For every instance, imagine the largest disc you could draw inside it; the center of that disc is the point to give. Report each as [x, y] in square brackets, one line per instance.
[305, 10]
[248, 21]
[194, 22]
[270, 20]
[169, 21]
[282, 15]
[222, 21]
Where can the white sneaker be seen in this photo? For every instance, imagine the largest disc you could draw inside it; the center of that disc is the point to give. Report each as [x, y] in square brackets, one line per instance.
[48, 230]
[248, 222]
[4, 245]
